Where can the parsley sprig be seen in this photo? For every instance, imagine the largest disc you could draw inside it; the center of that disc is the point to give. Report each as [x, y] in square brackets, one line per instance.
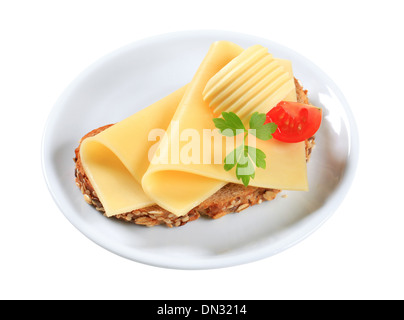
[245, 158]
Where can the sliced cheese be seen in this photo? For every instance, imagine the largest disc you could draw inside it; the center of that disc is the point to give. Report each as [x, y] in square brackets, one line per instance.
[179, 186]
[117, 161]
[253, 81]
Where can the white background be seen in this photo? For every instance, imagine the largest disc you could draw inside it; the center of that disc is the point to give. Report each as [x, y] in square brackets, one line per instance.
[357, 254]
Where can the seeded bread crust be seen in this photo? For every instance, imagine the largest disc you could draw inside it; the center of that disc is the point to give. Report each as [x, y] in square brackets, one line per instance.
[229, 199]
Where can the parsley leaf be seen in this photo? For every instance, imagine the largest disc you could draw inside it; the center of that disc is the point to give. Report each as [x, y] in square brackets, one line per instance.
[230, 125]
[245, 169]
[257, 156]
[232, 158]
[245, 158]
[259, 129]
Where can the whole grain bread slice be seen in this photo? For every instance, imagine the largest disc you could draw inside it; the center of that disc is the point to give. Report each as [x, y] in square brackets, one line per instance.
[229, 199]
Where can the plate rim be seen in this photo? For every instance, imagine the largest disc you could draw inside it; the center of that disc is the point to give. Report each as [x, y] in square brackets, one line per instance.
[336, 198]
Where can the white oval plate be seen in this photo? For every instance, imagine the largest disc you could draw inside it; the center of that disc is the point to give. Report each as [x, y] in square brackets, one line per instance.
[131, 78]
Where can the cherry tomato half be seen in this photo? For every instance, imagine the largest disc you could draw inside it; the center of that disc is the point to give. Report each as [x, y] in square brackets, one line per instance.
[296, 121]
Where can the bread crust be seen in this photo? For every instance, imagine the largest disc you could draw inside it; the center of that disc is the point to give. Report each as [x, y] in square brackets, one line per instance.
[229, 199]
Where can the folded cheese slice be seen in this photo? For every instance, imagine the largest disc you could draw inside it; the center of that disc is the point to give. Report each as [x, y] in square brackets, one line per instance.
[117, 161]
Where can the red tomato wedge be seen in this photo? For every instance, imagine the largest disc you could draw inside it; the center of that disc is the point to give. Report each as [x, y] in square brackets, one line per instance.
[296, 121]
